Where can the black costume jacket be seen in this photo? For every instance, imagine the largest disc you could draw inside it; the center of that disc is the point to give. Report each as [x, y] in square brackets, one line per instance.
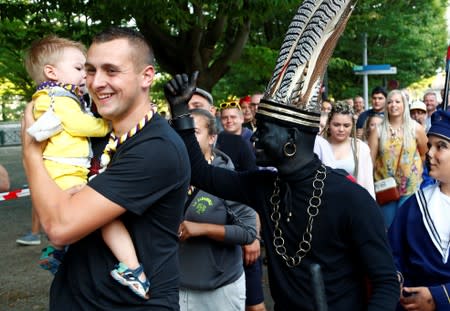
[349, 240]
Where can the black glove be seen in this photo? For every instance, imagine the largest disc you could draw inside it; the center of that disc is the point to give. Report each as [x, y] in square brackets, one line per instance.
[178, 92]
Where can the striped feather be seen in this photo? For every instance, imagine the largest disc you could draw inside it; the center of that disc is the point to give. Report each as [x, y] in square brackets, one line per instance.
[306, 49]
[293, 34]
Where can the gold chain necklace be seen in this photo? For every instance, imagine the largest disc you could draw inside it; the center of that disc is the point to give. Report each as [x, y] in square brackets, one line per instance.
[304, 246]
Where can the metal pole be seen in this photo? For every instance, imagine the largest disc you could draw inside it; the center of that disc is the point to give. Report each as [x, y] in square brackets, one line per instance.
[446, 86]
[365, 76]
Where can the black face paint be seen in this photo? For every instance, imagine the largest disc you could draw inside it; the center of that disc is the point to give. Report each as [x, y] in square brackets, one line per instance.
[269, 140]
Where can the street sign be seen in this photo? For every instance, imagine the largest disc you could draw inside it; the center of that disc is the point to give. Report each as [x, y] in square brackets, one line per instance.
[383, 69]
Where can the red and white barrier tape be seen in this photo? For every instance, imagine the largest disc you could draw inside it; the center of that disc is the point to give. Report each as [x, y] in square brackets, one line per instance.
[14, 194]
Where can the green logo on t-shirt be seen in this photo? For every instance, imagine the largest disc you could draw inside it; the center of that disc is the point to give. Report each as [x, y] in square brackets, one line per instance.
[201, 204]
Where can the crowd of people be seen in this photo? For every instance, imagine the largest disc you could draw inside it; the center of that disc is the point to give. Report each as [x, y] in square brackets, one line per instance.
[408, 141]
[394, 131]
[174, 214]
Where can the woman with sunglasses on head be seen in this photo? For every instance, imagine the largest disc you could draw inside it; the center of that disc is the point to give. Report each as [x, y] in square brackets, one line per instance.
[420, 232]
[211, 235]
[398, 149]
[349, 153]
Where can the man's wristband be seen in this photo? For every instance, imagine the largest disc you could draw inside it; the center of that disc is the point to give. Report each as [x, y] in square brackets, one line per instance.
[183, 122]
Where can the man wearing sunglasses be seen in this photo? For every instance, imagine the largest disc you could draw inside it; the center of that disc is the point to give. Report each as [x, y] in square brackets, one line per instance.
[232, 119]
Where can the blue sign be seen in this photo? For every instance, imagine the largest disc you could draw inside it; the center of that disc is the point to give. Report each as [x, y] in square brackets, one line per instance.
[375, 69]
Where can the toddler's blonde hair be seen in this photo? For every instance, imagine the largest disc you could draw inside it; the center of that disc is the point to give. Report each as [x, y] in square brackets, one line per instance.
[47, 51]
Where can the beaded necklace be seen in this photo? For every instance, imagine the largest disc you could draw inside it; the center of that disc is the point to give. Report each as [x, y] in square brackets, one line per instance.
[114, 142]
[72, 88]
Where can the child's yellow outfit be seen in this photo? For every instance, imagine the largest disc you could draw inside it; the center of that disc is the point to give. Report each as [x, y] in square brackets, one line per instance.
[67, 154]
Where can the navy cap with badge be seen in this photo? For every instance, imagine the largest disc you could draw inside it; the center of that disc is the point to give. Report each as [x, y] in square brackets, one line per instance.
[440, 124]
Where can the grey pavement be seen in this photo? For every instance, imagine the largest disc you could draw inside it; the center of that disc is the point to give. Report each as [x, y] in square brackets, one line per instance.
[23, 286]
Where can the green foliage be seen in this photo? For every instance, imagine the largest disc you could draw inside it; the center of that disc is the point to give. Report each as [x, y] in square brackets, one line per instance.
[234, 43]
[249, 75]
[157, 91]
[11, 102]
[410, 35]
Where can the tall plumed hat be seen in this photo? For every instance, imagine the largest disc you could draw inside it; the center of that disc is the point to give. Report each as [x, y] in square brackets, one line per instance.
[292, 95]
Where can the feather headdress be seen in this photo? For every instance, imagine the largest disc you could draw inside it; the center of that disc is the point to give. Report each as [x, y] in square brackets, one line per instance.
[292, 95]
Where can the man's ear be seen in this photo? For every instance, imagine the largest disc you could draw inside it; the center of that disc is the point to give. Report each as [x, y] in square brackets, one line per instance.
[50, 73]
[148, 75]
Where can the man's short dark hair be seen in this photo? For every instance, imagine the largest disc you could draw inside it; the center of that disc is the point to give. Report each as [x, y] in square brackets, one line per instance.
[144, 52]
[378, 90]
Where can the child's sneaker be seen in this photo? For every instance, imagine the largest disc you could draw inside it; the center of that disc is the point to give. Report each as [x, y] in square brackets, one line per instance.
[29, 239]
[51, 258]
[130, 278]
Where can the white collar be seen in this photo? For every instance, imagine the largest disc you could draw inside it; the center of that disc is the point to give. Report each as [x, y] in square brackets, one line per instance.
[434, 212]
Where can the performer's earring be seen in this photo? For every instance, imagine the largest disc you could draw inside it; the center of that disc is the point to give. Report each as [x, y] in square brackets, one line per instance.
[289, 149]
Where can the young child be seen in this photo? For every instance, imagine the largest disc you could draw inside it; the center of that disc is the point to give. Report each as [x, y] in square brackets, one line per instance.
[57, 67]
[372, 121]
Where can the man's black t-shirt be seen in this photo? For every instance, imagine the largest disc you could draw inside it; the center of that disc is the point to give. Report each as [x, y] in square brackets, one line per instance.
[148, 176]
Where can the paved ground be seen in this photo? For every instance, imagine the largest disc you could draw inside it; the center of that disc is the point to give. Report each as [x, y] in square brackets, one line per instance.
[23, 285]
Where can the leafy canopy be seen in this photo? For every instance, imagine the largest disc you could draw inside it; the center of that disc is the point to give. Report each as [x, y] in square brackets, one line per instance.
[234, 44]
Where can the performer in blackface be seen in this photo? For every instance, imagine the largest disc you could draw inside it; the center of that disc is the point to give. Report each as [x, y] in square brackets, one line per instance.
[311, 214]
